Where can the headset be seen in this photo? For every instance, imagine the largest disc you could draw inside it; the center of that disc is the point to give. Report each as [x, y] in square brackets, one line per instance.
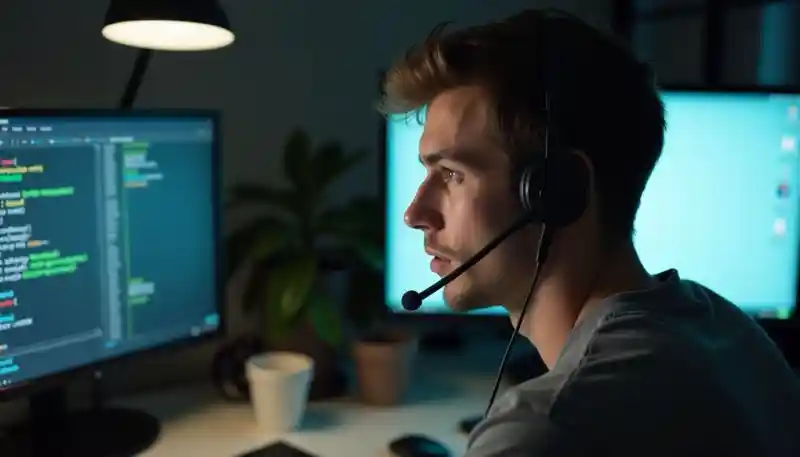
[553, 187]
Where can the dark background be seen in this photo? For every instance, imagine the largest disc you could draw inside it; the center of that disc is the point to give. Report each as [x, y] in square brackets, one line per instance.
[314, 63]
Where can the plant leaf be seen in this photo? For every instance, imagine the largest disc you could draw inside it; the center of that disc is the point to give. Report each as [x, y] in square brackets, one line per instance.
[362, 216]
[365, 304]
[331, 163]
[325, 319]
[326, 162]
[357, 226]
[369, 254]
[255, 289]
[276, 326]
[254, 241]
[297, 159]
[285, 200]
[289, 286]
[269, 241]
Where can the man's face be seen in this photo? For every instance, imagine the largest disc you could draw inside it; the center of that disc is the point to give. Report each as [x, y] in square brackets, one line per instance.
[466, 200]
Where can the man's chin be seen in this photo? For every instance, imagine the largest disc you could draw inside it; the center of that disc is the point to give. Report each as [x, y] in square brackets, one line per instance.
[463, 302]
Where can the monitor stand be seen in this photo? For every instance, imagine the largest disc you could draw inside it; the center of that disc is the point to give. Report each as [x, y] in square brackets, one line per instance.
[518, 370]
[448, 339]
[54, 431]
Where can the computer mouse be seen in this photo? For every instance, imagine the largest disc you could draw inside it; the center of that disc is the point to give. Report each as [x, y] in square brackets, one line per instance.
[466, 426]
[417, 446]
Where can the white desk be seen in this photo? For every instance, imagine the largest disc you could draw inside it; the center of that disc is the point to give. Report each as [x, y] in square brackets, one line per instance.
[197, 423]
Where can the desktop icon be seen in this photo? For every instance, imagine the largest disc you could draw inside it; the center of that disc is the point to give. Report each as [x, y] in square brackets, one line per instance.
[779, 227]
[789, 143]
[783, 190]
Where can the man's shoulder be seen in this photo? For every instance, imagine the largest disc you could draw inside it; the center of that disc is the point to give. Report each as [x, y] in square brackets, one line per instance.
[519, 424]
[637, 356]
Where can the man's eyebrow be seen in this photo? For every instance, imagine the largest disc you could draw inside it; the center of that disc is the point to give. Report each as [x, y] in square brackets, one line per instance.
[459, 156]
[434, 157]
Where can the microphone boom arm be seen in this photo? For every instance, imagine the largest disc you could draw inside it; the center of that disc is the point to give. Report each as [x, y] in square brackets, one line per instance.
[412, 299]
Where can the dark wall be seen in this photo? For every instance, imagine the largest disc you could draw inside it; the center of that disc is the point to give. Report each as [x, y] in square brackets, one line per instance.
[305, 62]
[311, 63]
[295, 62]
[760, 43]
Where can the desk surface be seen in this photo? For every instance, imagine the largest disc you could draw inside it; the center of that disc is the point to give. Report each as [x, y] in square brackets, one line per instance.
[197, 423]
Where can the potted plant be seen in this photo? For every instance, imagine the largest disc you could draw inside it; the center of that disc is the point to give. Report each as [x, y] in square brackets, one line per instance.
[293, 249]
[383, 353]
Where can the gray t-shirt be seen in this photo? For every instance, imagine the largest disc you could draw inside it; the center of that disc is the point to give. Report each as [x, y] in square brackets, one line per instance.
[673, 371]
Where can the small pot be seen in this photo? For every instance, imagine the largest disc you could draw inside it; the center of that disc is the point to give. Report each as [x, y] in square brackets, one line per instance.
[383, 365]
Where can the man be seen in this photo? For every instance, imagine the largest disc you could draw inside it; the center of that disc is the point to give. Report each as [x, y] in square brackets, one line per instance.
[639, 364]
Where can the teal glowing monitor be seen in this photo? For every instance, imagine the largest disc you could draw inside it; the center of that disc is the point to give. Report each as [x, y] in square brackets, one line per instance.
[721, 205]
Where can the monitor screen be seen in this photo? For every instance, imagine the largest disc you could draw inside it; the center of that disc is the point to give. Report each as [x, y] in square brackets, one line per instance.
[107, 237]
[721, 205]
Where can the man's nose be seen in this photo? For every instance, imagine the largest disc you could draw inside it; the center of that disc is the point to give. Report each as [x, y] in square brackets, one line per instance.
[423, 214]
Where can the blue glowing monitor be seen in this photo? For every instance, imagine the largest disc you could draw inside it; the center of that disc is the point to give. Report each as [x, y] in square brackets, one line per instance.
[721, 205]
[108, 237]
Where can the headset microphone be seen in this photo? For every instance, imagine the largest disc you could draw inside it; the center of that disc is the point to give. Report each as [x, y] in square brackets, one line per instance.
[412, 300]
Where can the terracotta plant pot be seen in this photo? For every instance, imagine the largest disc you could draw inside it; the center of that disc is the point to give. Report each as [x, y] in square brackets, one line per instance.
[383, 367]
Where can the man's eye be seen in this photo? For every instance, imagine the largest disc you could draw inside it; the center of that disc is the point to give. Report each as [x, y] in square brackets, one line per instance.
[451, 176]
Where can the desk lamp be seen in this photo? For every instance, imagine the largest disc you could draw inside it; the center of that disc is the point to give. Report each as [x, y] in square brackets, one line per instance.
[164, 25]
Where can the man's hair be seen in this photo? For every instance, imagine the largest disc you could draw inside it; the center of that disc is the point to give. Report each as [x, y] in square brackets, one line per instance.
[604, 101]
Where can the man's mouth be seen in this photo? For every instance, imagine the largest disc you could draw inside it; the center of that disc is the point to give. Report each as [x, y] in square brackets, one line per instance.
[440, 266]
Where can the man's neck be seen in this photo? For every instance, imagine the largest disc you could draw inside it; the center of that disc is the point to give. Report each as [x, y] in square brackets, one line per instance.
[564, 297]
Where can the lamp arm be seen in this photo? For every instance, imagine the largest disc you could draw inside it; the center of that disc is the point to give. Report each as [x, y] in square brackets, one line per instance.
[137, 76]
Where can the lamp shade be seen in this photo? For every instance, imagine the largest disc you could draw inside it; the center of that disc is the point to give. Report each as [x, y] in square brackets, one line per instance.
[168, 25]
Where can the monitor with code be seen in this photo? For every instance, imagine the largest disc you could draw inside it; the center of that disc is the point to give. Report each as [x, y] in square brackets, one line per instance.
[108, 229]
[721, 205]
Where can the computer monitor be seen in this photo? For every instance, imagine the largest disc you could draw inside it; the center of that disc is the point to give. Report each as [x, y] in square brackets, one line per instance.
[109, 228]
[721, 205]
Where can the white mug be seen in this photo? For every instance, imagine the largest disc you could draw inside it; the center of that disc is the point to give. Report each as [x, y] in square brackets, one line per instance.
[279, 384]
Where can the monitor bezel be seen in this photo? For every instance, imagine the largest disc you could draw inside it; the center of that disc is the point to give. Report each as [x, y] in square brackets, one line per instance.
[59, 379]
[770, 324]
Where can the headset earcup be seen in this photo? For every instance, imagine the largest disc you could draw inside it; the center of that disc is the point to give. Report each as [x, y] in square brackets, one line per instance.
[528, 187]
[566, 194]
